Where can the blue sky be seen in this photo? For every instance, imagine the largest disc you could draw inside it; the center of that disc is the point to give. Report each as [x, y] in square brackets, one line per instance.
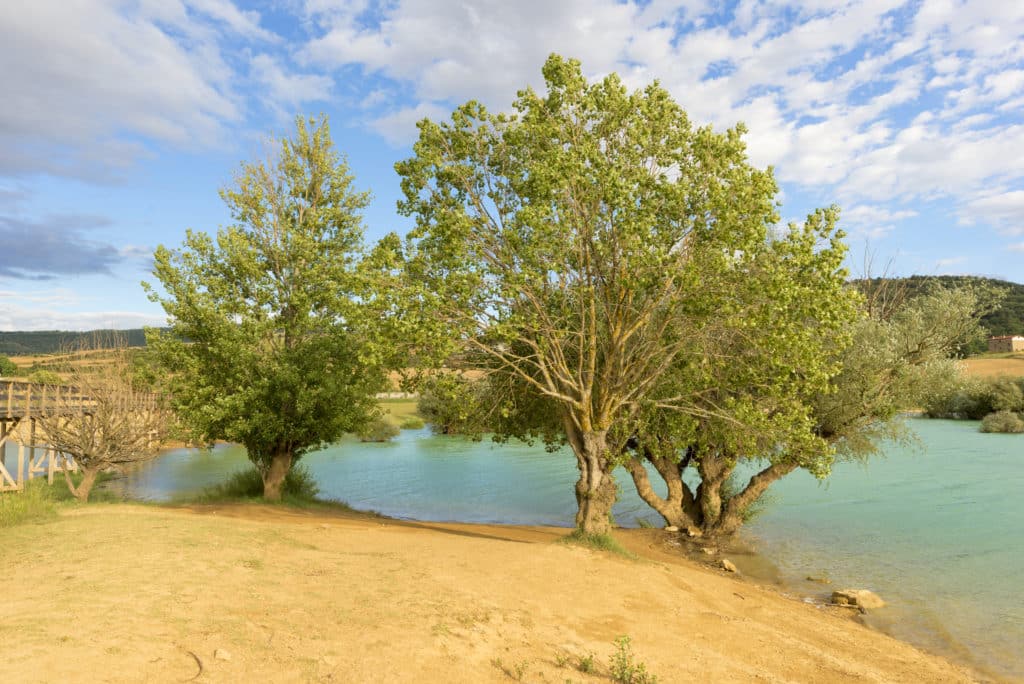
[121, 119]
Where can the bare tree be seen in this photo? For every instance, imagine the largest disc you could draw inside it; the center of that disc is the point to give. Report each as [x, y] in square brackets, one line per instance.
[103, 418]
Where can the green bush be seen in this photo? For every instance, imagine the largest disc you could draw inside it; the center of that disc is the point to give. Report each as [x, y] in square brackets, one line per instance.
[7, 367]
[1007, 394]
[34, 504]
[1003, 421]
[378, 430]
[412, 423]
[975, 398]
[45, 377]
[299, 485]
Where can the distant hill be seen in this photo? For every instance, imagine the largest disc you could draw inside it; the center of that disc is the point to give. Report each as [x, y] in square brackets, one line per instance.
[1008, 319]
[20, 343]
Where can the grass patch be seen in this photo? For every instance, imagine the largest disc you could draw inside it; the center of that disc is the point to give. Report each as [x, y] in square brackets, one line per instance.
[599, 542]
[300, 490]
[398, 409]
[412, 423]
[40, 501]
[101, 493]
[247, 485]
[34, 504]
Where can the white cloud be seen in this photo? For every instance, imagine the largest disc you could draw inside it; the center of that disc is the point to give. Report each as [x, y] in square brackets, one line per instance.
[16, 317]
[1016, 247]
[1004, 210]
[62, 309]
[870, 102]
[289, 89]
[399, 128]
[85, 82]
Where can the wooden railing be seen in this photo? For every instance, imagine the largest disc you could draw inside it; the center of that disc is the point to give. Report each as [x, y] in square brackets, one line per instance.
[27, 399]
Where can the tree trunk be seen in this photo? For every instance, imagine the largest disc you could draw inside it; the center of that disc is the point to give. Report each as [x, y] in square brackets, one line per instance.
[273, 478]
[82, 491]
[595, 488]
[714, 471]
[677, 508]
[732, 517]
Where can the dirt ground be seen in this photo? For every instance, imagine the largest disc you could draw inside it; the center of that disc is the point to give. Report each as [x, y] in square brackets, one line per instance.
[245, 593]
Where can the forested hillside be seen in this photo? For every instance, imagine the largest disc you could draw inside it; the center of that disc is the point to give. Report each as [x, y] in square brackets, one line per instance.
[1008, 319]
[19, 343]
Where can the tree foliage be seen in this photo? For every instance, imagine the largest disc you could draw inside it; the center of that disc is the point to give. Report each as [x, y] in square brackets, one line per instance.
[751, 379]
[577, 251]
[1002, 301]
[276, 338]
[7, 367]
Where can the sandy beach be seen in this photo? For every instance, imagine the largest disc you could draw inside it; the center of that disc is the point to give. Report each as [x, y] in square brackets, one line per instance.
[128, 593]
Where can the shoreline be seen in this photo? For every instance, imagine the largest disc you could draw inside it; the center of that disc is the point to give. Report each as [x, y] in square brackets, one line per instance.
[300, 594]
[763, 572]
[756, 569]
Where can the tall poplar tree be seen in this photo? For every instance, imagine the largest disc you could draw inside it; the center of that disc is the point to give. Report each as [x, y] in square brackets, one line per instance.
[274, 338]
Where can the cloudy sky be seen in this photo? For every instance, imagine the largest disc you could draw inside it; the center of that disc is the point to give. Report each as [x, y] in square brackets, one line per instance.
[121, 118]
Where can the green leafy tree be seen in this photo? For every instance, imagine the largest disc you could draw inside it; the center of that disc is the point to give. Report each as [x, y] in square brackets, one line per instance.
[897, 358]
[7, 367]
[577, 248]
[276, 340]
[751, 380]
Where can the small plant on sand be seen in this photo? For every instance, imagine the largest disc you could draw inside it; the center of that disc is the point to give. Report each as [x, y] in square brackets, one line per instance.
[516, 671]
[599, 542]
[624, 668]
[587, 665]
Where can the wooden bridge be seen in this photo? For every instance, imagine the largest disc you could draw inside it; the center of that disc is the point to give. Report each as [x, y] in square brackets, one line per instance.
[22, 403]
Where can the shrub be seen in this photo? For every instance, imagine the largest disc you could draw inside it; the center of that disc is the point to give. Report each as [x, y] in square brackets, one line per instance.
[7, 367]
[975, 398]
[378, 430]
[412, 423]
[45, 377]
[1007, 394]
[1002, 421]
[299, 485]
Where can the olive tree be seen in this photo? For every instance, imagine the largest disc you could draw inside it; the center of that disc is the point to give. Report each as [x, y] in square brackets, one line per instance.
[897, 356]
[753, 377]
[274, 336]
[579, 245]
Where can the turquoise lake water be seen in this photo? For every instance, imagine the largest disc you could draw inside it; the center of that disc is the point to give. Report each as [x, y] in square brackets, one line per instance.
[936, 530]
